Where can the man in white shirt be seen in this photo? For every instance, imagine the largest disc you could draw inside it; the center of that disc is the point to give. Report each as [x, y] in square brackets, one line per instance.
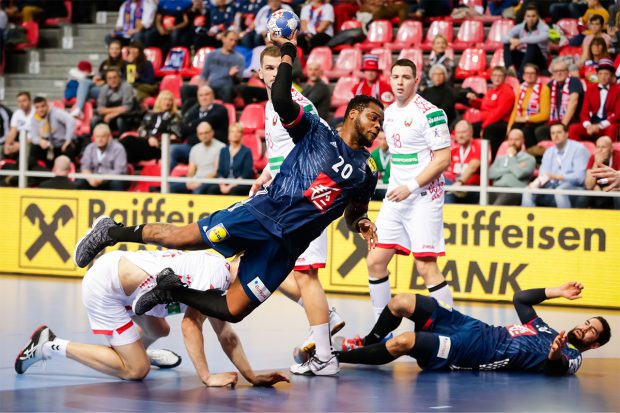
[317, 25]
[20, 123]
[256, 37]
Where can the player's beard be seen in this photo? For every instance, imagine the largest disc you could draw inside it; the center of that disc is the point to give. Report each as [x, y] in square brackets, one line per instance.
[575, 341]
[363, 137]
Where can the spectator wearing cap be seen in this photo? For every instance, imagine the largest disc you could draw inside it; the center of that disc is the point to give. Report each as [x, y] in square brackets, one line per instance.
[104, 155]
[605, 155]
[134, 17]
[317, 90]
[83, 71]
[317, 24]
[600, 113]
[527, 42]
[372, 84]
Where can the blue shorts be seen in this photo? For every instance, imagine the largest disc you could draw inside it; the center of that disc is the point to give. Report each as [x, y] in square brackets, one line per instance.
[453, 338]
[266, 262]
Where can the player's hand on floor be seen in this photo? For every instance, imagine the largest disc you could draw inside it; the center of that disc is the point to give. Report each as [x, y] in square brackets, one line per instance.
[222, 379]
[268, 380]
[399, 194]
[555, 352]
[571, 290]
[368, 230]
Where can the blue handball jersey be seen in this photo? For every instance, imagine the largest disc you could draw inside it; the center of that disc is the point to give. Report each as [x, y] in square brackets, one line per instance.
[317, 180]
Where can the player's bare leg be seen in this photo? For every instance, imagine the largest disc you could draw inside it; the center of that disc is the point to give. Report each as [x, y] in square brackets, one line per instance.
[434, 279]
[290, 289]
[378, 278]
[317, 310]
[129, 361]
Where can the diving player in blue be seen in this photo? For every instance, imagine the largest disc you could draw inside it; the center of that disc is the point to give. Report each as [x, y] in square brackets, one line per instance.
[445, 339]
[327, 174]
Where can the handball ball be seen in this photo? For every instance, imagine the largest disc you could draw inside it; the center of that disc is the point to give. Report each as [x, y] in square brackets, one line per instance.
[282, 23]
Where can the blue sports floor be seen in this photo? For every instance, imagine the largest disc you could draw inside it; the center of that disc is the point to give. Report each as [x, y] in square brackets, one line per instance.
[268, 336]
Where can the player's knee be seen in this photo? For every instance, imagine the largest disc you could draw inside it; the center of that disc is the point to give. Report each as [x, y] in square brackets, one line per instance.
[305, 276]
[137, 371]
[401, 344]
[402, 305]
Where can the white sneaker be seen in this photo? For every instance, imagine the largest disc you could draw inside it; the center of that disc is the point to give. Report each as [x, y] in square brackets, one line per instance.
[302, 353]
[164, 359]
[33, 352]
[316, 367]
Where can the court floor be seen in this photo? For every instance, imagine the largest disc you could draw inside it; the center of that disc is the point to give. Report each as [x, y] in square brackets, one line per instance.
[269, 335]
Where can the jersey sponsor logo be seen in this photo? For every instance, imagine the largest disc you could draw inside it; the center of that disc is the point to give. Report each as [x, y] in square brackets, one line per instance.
[436, 118]
[405, 159]
[517, 330]
[322, 192]
[444, 347]
[373, 165]
[258, 289]
[218, 233]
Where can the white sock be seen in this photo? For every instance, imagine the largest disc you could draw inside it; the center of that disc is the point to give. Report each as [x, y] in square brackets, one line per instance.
[441, 292]
[56, 347]
[380, 293]
[322, 341]
[300, 301]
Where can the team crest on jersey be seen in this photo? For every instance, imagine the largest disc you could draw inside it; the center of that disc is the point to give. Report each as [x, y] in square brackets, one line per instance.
[323, 192]
[408, 121]
[373, 165]
[517, 330]
[218, 233]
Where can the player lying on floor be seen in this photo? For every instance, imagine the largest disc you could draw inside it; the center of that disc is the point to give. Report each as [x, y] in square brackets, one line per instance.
[108, 290]
[446, 339]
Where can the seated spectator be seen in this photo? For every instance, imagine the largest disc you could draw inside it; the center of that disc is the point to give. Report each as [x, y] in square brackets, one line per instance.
[465, 166]
[104, 155]
[163, 122]
[317, 25]
[383, 159]
[203, 161]
[5, 125]
[566, 99]
[527, 42]
[134, 18]
[495, 109]
[206, 111]
[197, 15]
[316, 90]
[563, 167]
[600, 113]
[222, 17]
[597, 51]
[172, 25]
[532, 106]
[235, 162]
[442, 95]
[20, 125]
[139, 73]
[512, 170]
[115, 103]
[62, 168]
[372, 84]
[438, 56]
[596, 30]
[89, 88]
[607, 156]
[257, 32]
[51, 134]
[594, 8]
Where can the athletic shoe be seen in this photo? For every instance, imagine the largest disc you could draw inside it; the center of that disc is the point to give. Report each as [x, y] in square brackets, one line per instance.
[163, 358]
[33, 352]
[95, 241]
[316, 367]
[302, 354]
[166, 279]
[346, 344]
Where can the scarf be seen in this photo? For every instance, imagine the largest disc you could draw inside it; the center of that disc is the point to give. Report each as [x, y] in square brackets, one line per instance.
[558, 114]
[374, 89]
[533, 105]
[316, 19]
[129, 22]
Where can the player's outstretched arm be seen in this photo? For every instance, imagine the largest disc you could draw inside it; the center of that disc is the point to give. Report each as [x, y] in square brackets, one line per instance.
[194, 343]
[526, 299]
[234, 350]
[356, 217]
[556, 364]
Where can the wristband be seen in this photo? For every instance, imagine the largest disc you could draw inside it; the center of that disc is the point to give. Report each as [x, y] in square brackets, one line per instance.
[289, 49]
[415, 185]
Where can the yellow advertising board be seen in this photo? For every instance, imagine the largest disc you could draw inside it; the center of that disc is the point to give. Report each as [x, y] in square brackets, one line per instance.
[491, 252]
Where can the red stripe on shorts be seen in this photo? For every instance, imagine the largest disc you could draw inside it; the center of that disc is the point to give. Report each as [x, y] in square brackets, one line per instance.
[428, 254]
[308, 267]
[399, 248]
[122, 329]
[105, 332]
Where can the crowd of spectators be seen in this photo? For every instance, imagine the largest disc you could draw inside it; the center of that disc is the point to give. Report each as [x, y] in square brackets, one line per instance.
[538, 106]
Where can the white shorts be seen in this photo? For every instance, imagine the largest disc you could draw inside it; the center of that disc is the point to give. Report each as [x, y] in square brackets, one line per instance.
[414, 225]
[315, 256]
[107, 306]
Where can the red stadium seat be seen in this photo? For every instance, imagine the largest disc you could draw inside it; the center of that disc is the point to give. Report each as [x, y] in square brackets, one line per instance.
[477, 83]
[616, 146]
[32, 35]
[379, 34]
[498, 29]
[409, 35]
[258, 150]
[323, 56]
[153, 55]
[496, 60]
[473, 62]
[571, 51]
[197, 62]
[351, 24]
[546, 144]
[176, 62]
[58, 104]
[514, 82]
[57, 21]
[180, 170]
[349, 61]
[253, 118]
[470, 33]
[570, 27]
[343, 92]
[172, 83]
[443, 27]
[590, 146]
[472, 115]
[232, 112]
[415, 55]
[150, 169]
[385, 59]
[82, 126]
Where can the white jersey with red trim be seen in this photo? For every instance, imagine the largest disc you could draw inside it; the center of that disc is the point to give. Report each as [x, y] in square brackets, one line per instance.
[279, 142]
[413, 131]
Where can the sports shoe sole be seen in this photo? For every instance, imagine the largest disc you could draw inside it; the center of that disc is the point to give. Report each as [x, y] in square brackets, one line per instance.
[170, 366]
[18, 364]
[77, 245]
[310, 347]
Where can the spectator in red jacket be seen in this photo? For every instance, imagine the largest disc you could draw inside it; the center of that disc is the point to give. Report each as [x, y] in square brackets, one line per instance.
[495, 109]
[372, 85]
[600, 114]
[465, 166]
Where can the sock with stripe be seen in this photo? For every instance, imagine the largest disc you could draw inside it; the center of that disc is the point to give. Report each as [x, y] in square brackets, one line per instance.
[380, 293]
[441, 292]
